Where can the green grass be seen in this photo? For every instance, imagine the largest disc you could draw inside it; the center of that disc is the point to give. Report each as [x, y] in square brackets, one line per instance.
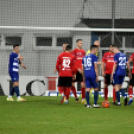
[45, 115]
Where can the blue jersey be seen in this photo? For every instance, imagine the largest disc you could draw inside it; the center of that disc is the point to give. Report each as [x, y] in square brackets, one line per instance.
[13, 62]
[120, 59]
[88, 62]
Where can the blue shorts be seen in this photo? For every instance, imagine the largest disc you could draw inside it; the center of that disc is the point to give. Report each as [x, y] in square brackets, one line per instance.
[118, 79]
[14, 76]
[91, 82]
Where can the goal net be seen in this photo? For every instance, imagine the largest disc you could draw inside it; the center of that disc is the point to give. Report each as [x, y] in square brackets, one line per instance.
[41, 27]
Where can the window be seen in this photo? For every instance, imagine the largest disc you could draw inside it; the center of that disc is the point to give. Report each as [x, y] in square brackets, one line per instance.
[13, 40]
[44, 41]
[106, 40]
[61, 40]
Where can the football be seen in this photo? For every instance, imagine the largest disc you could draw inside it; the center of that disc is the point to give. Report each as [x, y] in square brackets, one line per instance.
[105, 104]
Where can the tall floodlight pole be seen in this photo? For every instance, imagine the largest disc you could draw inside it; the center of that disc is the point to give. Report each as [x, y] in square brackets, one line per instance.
[113, 19]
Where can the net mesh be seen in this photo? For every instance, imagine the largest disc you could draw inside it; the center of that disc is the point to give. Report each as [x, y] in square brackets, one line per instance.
[40, 48]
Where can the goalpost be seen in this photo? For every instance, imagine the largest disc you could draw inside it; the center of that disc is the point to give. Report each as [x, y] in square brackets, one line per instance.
[40, 47]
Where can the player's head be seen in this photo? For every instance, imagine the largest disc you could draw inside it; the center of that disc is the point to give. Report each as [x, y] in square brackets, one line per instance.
[97, 43]
[115, 48]
[111, 48]
[79, 43]
[64, 46]
[68, 48]
[16, 48]
[93, 49]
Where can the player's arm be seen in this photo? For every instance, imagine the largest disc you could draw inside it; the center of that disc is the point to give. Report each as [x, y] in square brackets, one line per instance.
[83, 71]
[103, 68]
[129, 70]
[103, 65]
[22, 65]
[114, 68]
[57, 64]
[20, 57]
[130, 60]
[96, 71]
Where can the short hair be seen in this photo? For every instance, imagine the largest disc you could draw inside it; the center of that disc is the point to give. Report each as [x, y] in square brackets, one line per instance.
[111, 45]
[116, 46]
[68, 47]
[93, 47]
[78, 40]
[16, 45]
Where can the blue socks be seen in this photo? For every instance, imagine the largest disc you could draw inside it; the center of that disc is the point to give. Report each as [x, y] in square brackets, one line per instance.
[11, 91]
[118, 96]
[95, 97]
[87, 97]
[123, 92]
[16, 89]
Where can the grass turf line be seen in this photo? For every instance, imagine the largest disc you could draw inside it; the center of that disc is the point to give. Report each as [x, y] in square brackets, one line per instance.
[45, 115]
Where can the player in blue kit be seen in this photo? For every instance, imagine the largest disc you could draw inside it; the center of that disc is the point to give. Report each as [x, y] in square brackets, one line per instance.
[90, 74]
[119, 73]
[13, 70]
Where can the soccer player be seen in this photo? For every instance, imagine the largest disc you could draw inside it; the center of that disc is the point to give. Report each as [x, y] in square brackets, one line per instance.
[79, 53]
[131, 83]
[66, 67]
[60, 89]
[119, 72]
[14, 61]
[90, 73]
[107, 68]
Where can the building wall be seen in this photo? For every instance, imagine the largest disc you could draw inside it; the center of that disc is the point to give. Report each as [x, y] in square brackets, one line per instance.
[51, 13]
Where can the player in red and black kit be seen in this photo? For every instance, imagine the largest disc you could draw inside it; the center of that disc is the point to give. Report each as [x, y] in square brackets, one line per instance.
[79, 53]
[131, 83]
[107, 68]
[60, 89]
[66, 67]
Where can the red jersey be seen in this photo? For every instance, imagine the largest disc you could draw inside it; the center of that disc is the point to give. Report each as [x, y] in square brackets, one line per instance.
[108, 58]
[65, 64]
[132, 57]
[78, 54]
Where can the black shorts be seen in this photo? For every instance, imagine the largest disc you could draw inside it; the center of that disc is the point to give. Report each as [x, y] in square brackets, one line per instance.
[65, 81]
[108, 79]
[79, 77]
[132, 80]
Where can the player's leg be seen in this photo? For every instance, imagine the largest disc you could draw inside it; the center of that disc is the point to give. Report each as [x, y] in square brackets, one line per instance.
[117, 88]
[130, 90]
[88, 85]
[73, 89]
[114, 96]
[96, 93]
[107, 82]
[122, 90]
[67, 93]
[83, 92]
[16, 89]
[130, 94]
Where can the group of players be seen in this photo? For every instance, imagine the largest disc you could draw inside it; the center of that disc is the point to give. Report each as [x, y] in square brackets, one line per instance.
[77, 66]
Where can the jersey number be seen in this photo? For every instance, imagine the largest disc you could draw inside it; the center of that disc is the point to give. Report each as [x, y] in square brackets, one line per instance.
[122, 61]
[88, 62]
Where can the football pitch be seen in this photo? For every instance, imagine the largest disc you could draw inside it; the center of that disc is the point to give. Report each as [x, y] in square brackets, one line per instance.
[45, 115]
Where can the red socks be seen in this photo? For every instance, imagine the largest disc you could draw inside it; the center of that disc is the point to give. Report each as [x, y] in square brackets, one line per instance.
[105, 93]
[73, 89]
[130, 92]
[83, 93]
[66, 92]
[114, 95]
[60, 89]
